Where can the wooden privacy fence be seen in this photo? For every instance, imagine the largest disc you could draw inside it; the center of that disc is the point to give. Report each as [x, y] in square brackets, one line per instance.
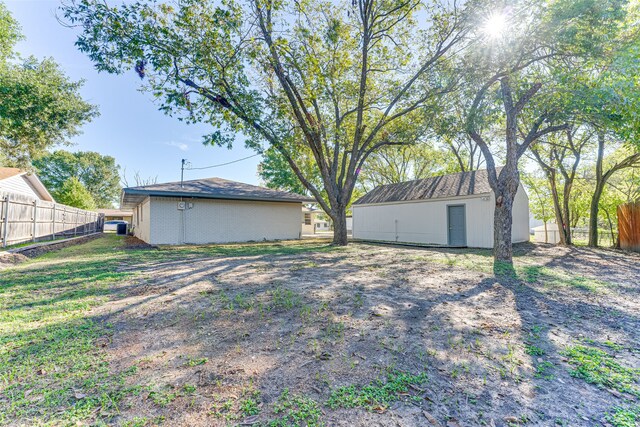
[629, 226]
[24, 218]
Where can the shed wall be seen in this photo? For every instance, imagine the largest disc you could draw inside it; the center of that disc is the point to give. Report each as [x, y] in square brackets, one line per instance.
[520, 231]
[222, 221]
[425, 221]
[422, 221]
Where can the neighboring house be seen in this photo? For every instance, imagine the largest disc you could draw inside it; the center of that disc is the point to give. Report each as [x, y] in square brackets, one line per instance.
[116, 214]
[212, 210]
[308, 219]
[533, 223]
[549, 233]
[14, 180]
[450, 210]
[321, 224]
[314, 220]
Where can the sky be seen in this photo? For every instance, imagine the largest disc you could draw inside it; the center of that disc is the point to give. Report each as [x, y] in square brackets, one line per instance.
[130, 127]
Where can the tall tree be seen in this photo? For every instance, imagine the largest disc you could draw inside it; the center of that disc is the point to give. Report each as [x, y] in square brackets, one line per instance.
[39, 105]
[275, 171]
[454, 136]
[73, 193]
[523, 56]
[99, 174]
[398, 164]
[603, 174]
[540, 199]
[335, 80]
[559, 157]
[138, 179]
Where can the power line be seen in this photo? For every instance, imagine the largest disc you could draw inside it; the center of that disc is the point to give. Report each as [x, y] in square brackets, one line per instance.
[224, 164]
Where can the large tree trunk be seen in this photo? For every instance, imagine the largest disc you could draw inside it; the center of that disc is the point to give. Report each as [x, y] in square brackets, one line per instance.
[566, 226]
[593, 214]
[340, 226]
[595, 200]
[560, 221]
[508, 182]
[502, 224]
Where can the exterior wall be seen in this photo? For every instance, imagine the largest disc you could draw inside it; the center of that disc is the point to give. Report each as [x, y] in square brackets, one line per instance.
[141, 221]
[308, 228]
[222, 221]
[322, 225]
[520, 231]
[425, 221]
[551, 235]
[18, 184]
[127, 218]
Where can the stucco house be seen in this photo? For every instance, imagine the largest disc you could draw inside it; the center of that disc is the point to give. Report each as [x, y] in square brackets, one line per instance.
[450, 210]
[15, 180]
[212, 210]
[314, 220]
[309, 219]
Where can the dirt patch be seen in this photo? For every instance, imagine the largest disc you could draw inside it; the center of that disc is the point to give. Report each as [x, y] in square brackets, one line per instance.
[8, 260]
[133, 243]
[224, 340]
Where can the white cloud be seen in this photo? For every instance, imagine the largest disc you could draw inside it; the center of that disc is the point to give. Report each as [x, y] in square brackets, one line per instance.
[180, 145]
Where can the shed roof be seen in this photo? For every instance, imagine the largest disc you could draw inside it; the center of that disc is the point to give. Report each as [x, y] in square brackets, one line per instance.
[209, 188]
[452, 185]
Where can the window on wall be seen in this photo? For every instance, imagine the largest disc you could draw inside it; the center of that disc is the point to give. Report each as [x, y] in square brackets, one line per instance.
[307, 219]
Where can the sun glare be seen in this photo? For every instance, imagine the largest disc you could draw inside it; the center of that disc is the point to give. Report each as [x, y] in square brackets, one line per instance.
[495, 25]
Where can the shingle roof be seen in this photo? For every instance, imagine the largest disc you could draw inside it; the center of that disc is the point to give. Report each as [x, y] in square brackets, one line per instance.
[9, 172]
[211, 188]
[455, 184]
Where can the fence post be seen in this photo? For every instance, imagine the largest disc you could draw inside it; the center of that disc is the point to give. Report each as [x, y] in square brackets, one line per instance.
[35, 220]
[5, 230]
[64, 220]
[53, 223]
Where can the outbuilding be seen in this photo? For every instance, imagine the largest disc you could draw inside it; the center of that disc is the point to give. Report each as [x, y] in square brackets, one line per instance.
[547, 233]
[450, 210]
[212, 210]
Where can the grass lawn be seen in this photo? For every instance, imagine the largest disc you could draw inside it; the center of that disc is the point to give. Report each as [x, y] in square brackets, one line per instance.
[305, 334]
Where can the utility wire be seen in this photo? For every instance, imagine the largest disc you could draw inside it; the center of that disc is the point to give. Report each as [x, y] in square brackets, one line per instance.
[224, 164]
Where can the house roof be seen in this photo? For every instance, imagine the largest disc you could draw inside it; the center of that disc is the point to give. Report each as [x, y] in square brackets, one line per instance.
[306, 209]
[9, 172]
[31, 178]
[444, 186]
[209, 188]
[114, 212]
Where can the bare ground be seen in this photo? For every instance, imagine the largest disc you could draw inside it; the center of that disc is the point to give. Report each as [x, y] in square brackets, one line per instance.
[207, 332]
